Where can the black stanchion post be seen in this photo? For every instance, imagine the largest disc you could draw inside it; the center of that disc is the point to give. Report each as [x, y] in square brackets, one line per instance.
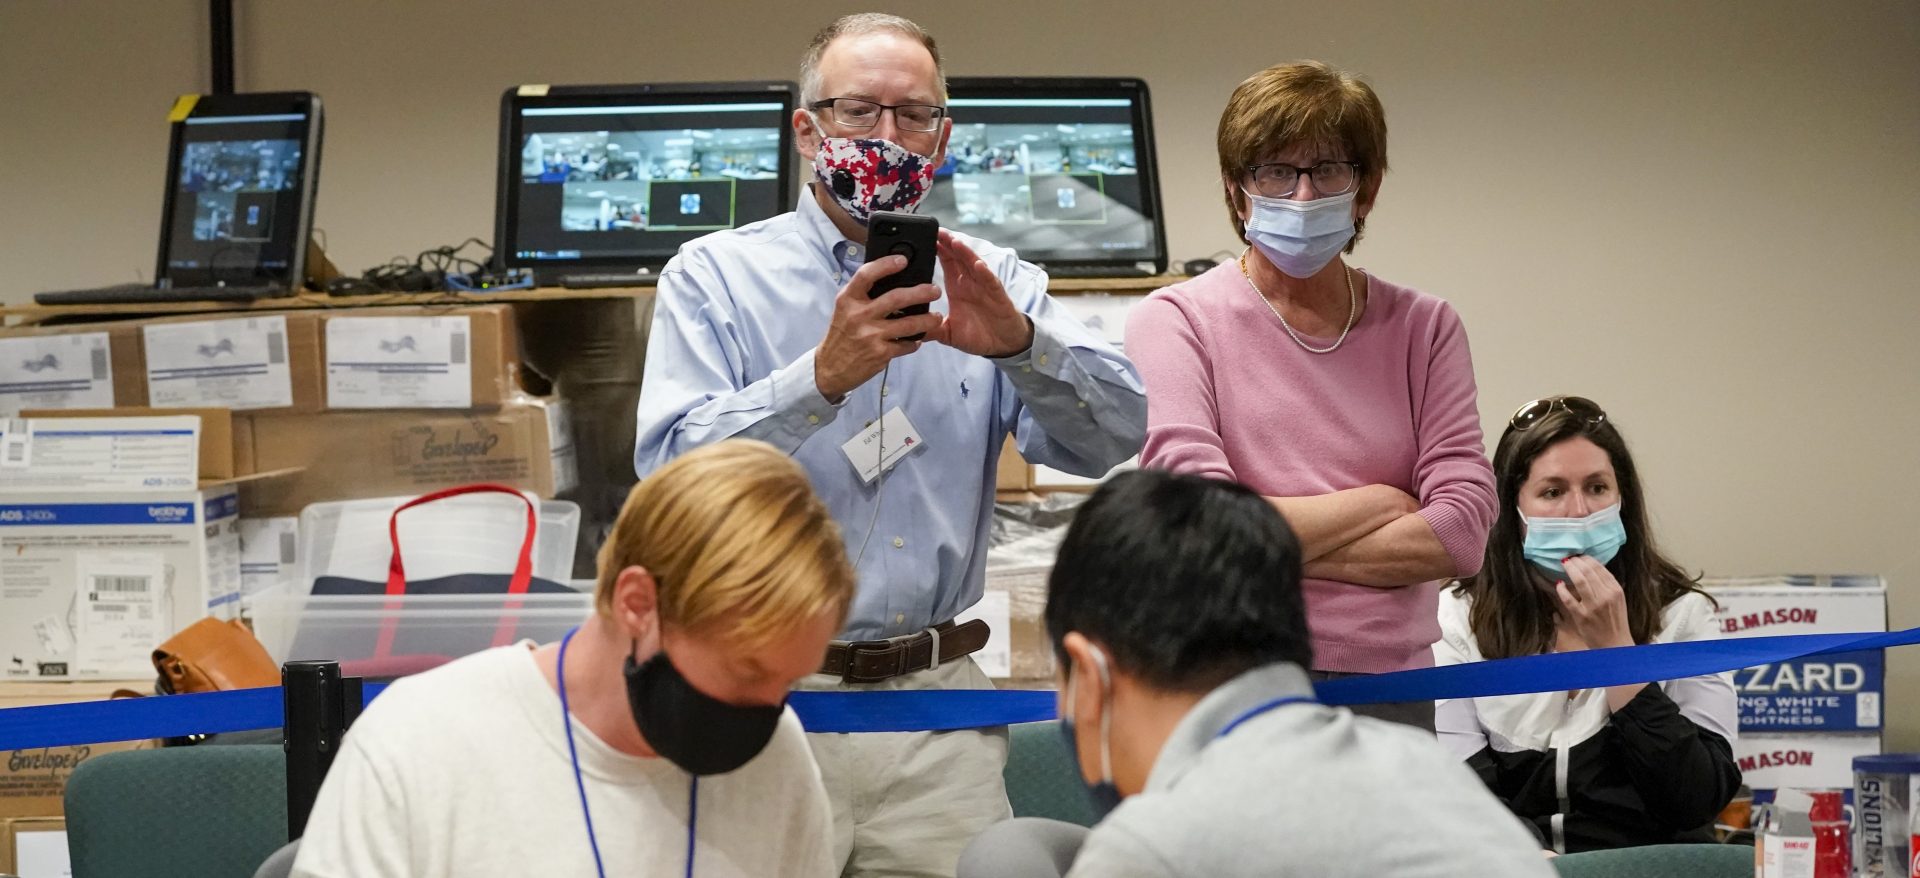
[314, 719]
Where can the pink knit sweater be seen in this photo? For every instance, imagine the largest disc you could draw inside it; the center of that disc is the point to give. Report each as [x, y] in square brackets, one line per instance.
[1229, 395]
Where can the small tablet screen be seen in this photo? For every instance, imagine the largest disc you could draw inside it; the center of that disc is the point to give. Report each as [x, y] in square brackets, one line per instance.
[236, 201]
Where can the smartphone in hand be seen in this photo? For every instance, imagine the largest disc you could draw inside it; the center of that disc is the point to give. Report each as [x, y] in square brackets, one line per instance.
[910, 235]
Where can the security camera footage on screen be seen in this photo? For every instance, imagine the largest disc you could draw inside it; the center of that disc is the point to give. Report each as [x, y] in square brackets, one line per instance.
[1057, 179]
[235, 212]
[636, 188]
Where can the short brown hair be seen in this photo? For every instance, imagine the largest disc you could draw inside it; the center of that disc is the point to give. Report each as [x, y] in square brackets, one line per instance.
[860, 24]
[736, 541]
[1301, 102]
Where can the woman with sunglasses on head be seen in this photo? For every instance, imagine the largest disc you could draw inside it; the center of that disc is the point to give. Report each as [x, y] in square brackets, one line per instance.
[1572, 565]
[1347, 401]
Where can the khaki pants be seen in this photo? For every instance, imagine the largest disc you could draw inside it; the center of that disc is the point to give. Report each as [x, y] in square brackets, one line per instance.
[905, 804]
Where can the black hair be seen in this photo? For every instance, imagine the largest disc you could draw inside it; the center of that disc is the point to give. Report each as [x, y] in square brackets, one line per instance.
[1186, 581]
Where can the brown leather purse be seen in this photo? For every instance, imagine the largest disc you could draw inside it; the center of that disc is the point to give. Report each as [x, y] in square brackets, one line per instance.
[212, 655]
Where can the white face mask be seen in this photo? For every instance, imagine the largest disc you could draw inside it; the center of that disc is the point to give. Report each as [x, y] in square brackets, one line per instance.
[1301, 237]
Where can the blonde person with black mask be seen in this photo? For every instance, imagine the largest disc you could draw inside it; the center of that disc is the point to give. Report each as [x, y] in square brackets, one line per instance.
[652, 740]
[1572, 565]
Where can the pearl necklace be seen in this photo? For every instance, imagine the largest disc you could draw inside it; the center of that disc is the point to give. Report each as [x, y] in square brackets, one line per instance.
[1353, 308]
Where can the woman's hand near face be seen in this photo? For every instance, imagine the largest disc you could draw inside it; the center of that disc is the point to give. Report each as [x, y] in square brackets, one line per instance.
[1593, 604]
[1594, 608]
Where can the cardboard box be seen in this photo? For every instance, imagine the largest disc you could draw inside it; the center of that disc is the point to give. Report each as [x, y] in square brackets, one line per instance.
[33, 781]
[1014, 605]
[35, 847]
[1832, 693]
[356, 455]
[257, 362]
[1805, 761]
[412, 358]
[226, 443]
[1014, 473]
[91, 365]
[154, 562]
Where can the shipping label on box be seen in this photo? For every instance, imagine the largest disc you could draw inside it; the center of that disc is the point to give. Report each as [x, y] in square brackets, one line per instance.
[55, 372]
[99, 454]
[236, 364]
[1831, 693]
[1106, 315]
[996, 609]
[88, 589]
[269, 552]
[399, 362]
[566, 462]
[1807, 761]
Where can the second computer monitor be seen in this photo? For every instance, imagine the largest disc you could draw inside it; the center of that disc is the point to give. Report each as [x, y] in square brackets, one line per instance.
[599, 179]
[1061, 170]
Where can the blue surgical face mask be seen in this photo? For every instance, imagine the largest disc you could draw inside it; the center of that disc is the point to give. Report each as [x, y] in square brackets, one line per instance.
[1550, 540]
[1301, 237]
[1105, 795]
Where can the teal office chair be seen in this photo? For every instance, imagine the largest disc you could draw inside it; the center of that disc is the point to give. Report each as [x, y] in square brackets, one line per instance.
[1042, 780]
[1659, 861]
[178, 812]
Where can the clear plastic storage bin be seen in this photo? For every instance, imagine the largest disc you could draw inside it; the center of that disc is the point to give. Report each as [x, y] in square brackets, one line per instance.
[478, 533]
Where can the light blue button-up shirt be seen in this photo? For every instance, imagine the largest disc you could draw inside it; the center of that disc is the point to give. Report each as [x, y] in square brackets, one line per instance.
[737, 317]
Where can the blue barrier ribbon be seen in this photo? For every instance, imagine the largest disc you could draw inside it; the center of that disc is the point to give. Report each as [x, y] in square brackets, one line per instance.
[1598, 668]
[94, 722]
[133, 719]
[920, 710]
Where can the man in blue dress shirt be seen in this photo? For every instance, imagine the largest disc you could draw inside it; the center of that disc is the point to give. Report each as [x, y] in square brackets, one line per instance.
[767, 332]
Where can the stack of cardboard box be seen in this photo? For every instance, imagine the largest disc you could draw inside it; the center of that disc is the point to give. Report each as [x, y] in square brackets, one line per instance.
[294, 408]
[1802, 722]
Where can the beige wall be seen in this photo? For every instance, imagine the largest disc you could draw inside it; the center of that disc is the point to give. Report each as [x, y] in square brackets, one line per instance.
[1704, 215]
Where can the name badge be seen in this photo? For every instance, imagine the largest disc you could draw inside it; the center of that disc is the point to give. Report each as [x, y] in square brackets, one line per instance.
[865, 453]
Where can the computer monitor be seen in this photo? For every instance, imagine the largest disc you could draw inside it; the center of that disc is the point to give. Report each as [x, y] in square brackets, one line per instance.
[241, 174]
[614, 178]
[1059, 169]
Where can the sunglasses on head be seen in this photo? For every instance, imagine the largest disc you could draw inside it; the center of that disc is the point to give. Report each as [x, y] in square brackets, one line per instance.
[1578, 406]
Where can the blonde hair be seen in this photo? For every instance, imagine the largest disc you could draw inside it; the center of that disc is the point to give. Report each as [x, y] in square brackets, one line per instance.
[857, 25]
[1307, 102]
[738, 545]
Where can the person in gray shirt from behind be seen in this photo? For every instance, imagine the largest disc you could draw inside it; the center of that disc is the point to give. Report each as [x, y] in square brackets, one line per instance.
[1176, 615]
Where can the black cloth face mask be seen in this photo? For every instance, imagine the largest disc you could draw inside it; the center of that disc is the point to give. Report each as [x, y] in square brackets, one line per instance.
[701, 734]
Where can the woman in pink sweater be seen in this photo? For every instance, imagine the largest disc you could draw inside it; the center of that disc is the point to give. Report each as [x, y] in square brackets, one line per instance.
[1347, 401]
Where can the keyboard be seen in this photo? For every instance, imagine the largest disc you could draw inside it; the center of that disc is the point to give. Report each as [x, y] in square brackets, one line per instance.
[142, 294]
[605, 281]
[1081, 271]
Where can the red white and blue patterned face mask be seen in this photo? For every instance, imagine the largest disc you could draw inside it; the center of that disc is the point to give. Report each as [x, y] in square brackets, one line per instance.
[868, 175]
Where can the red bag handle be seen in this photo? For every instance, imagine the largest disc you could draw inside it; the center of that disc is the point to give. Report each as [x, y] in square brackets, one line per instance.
[397, 573]
[522, 568]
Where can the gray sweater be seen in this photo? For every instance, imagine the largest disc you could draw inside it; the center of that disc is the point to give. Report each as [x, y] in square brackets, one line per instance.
[1306, 790]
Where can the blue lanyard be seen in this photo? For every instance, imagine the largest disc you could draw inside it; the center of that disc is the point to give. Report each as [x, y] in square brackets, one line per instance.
[566, 719]
[1271, 705]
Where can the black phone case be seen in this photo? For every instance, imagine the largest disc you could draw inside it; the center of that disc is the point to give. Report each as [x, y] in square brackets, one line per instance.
[905, 234]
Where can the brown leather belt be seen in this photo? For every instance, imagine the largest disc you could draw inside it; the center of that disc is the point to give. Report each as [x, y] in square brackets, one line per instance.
[872, 661]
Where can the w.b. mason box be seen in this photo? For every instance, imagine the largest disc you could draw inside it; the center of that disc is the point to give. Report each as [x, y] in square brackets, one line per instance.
[1844, 692]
